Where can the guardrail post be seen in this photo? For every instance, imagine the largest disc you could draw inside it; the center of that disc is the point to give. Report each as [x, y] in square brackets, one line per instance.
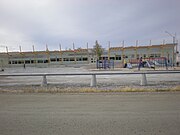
[143, 80]
[44, 81]
[93, 81]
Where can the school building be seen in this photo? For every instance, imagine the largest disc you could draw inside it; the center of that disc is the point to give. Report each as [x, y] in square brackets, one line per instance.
[87, 56]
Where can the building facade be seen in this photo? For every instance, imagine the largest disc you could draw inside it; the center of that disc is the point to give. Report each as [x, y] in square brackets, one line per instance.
[86, 56]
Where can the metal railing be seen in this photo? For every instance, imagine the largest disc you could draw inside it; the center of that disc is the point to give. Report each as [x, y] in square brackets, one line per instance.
[93, 75]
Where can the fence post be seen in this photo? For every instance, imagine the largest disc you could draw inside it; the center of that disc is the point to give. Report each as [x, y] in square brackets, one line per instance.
[44, 81]
[143, 80]
[93, 81]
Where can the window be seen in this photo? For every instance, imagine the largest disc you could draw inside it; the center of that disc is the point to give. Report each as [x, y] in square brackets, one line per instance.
[40, 61]
[71, 59]
[20, 62]
[59, 59]
[92, 60]
[157, 55]
[45, 61]
[151, 55]
[78, 59]
[137, 56]
[65, 59]
[27, 61]
[53, 59]
[85, 59]
[14, 62]
[111, 58]
[118, 57]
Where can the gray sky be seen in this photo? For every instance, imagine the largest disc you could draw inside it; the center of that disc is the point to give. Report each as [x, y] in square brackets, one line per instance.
[41, 22]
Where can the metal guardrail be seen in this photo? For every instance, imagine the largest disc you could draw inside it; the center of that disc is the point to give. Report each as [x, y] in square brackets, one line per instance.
[93, 75]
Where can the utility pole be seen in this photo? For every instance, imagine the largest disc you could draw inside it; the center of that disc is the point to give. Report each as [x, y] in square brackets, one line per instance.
[88, 53]
[60, 51]
[109, 44]
[74, 53]
[59, 47]
[20, 49]
[174, 43]
[136, 48]
[7, 49]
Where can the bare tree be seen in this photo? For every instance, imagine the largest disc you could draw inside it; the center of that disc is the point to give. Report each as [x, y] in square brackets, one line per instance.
[97, 49]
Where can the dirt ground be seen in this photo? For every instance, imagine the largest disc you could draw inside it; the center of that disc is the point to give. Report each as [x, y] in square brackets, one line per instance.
[90, 114]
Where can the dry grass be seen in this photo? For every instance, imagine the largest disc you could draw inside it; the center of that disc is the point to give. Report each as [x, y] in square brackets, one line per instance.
[88, 90]
[176, 88]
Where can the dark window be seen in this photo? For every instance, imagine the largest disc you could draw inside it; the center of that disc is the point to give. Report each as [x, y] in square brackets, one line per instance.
[111, 58]
[14, 62]
[78, 59]
[65, 59]
[85, 59]
[27, 61]
[152, 55]
[157, 55]
[20, 62]
[71, 59]
[46, 61]
[40, 61]
[53, 59]
[118, 57]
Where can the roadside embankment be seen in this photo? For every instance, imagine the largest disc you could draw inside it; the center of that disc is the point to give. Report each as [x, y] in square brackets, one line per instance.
[60, 89]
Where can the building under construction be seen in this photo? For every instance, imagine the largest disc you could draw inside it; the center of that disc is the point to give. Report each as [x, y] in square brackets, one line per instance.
[87, 56]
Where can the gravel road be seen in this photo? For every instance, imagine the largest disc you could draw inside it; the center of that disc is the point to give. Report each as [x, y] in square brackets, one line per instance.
[90, 114]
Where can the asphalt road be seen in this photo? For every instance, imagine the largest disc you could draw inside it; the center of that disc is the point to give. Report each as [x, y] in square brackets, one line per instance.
[90, 114]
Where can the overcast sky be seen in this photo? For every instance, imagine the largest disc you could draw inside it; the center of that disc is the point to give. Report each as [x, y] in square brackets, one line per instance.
[54, 22]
